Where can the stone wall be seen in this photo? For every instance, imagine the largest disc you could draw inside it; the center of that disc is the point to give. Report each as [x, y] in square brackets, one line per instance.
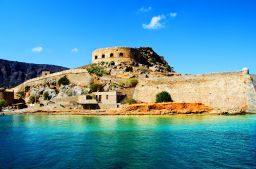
[254, 80]
[76, 76]
[225, 92]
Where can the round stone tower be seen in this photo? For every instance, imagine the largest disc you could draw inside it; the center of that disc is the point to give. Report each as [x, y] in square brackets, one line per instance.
[115, 54]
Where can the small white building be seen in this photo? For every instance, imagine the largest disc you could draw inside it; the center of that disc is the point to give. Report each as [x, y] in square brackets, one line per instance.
[101, 100]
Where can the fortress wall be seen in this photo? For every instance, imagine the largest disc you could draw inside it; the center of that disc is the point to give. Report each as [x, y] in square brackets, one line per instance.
[231, 92]
[254, 80]
[76, 76]
[116, 54]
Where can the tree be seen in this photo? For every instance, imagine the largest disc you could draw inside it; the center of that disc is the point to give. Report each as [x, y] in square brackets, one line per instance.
[95, 87]
[63, 81]
[47, 96]
[97, 70]
[163, 97]
[21, 94]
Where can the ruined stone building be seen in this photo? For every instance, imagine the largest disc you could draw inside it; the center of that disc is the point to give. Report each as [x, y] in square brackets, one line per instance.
[101, 100]
[6, 95]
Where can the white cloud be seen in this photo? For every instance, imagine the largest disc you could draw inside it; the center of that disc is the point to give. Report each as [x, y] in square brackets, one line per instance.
[145, 9]
[173, 14]
[37, 49]
[158, 22]
[155, 23]
[75, 50]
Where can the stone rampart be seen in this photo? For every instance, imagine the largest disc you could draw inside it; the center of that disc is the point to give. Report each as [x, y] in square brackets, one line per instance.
[76, 76]
[225, 92]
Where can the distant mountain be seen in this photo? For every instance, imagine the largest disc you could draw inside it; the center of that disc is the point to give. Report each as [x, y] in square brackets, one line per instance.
[13, 73]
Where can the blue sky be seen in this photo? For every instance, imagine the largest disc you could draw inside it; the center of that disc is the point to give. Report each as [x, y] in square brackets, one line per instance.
[194, 36]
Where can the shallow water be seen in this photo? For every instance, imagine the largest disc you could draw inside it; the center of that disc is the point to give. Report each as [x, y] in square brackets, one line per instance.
[53, 141]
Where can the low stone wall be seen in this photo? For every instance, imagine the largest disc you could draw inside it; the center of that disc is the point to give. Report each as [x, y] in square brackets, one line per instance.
[76, 76]
[230, 92]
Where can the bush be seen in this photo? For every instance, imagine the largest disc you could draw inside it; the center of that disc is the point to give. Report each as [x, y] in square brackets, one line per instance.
[32, 99]
[21, 94]
[132, 82]
[2, 103]
[47, 96]
[163, 97]
[85, 92]
[63, 81]
[97, 70]
[129, 83]
[96, 87]
[129, 101]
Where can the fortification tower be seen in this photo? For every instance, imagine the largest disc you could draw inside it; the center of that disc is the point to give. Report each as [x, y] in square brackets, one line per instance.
[143, 55]
[116, 54]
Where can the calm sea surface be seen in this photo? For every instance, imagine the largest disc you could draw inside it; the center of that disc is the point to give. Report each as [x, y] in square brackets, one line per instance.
[58, 141]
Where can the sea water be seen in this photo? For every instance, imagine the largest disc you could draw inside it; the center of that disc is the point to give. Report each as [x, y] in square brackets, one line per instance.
[61, 141]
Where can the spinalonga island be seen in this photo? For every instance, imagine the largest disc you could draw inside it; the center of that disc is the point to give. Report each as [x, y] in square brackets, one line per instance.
[131, 81]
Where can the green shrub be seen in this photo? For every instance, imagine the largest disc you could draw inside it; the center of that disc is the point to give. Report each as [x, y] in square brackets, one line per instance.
[97, 70]
[132, 82]
[32, 99]
[163, 97]
[47, 96]
[96, 87]
[21, 94]
[85, 92]
[2, 103]
[129, 101]
[63, 81]
[129, 83]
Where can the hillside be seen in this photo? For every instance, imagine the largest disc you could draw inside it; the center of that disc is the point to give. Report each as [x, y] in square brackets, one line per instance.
[13, 73]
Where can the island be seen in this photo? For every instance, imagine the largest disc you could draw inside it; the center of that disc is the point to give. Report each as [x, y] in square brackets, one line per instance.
[131, 81]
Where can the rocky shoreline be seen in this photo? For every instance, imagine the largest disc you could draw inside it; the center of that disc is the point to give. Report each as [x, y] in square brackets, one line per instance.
[135, 109]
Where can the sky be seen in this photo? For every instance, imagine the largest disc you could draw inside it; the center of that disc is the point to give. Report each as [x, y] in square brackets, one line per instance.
[194, 36]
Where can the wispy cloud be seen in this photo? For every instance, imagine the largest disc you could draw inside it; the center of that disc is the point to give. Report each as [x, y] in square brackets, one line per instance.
[37, 49]
[75, 50]
[155, 23]
[158, 22]
[145, 9]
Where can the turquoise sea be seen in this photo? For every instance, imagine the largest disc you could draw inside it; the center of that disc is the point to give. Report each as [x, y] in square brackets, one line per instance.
[139, 142]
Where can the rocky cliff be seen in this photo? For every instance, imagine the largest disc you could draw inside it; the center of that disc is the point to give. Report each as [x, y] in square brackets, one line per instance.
[13, 73]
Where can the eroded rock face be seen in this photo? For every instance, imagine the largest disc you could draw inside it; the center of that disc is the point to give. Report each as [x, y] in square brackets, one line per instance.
[14, 73]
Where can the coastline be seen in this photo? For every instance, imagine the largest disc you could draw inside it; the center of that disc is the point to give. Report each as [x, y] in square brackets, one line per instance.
[136, 109]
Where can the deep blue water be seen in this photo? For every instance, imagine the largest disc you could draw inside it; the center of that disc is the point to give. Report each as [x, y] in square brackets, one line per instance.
[51, 141]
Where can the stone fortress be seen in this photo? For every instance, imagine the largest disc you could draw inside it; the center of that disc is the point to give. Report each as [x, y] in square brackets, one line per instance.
[117, 55]
[230, 92]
